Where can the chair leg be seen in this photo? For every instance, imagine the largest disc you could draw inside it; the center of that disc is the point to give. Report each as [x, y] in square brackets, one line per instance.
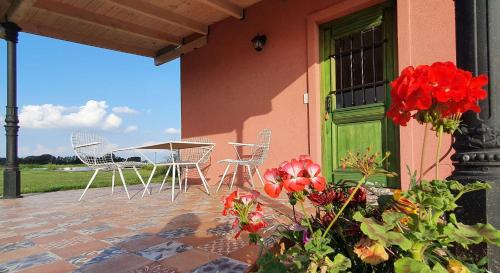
[173, 181]
[179, 176]
[123, 182]
[205, 184]
[113, 182]
[258, 174]
[223, 176]
[165, 178]
[146, 188]
[250, 175]
[142, 180]
[234, 176]
[186, 178]
[88, 185]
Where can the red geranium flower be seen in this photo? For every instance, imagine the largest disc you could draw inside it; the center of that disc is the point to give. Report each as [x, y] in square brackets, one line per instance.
[273, 190]
[305, 160]
[273, 184]
[249, 197]
[254, 224]
[442, 89]
[296, 182]
[318, 182]
[229, 202]
[248, 210]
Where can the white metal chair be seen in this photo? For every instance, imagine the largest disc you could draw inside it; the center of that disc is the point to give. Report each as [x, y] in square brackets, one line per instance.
[259, 152]
[190, 158]
[98, 154]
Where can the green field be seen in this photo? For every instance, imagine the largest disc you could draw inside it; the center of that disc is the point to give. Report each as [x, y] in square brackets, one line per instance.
[35, 180]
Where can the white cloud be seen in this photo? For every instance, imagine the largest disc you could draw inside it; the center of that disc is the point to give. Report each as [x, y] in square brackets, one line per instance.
[124, 110]
[93, 114]
[130, 128]
[172, 131]
[112, 122]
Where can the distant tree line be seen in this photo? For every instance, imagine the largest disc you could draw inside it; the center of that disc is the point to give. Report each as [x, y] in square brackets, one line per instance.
[59, 160]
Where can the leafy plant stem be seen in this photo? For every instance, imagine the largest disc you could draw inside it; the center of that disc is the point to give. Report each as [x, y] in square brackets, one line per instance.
[294, 214]
[261, 247]
[421, 171]
[440, 138]
[418, 251]
[339, 213]
[305, 216]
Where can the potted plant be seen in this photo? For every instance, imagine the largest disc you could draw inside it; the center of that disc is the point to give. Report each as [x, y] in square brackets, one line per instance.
[411, 231]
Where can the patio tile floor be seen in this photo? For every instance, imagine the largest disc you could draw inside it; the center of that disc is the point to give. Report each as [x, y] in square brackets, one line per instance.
[53, 232]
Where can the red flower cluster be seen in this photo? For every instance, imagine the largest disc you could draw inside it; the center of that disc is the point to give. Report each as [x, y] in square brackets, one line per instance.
[441, 89]
[359, 197]
[337, 195]
[295, 176]
[248, 211]
[326, 197]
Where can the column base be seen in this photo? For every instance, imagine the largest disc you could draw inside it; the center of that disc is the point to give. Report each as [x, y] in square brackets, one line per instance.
[481, 207]
[12, 183]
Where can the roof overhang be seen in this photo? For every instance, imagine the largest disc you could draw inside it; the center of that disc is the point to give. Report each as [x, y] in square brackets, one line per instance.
[161, 29]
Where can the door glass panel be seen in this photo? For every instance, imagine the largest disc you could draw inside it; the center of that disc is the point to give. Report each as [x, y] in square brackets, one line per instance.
[359, 68]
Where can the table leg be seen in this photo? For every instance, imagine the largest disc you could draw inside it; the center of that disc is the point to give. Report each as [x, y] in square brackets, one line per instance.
[140, 178]
[149, 180]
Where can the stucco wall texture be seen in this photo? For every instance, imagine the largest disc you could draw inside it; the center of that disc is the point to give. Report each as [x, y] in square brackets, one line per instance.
[229, 92]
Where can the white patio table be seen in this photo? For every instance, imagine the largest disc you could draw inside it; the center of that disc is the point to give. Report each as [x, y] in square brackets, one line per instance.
[173, 145]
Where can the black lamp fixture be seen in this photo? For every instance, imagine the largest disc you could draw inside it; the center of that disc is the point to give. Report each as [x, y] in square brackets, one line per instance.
[259, 41]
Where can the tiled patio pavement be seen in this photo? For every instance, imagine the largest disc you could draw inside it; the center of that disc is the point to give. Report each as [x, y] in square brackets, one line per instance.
[53, 232]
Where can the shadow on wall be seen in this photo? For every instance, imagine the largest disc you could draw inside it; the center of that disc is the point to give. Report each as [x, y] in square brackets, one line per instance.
[231, 92]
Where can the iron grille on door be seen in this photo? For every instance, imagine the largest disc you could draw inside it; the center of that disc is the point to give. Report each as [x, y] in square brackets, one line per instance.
[359, 75]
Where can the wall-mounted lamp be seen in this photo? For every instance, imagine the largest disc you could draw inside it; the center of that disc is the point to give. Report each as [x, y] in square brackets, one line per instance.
[259, 41]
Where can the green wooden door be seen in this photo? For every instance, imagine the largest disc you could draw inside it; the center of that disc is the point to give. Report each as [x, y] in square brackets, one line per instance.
[357, 54]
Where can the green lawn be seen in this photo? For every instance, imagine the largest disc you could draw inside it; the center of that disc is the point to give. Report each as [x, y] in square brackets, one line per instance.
[51, 179]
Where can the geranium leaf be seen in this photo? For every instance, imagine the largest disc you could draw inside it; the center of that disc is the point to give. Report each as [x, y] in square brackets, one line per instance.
[475, 234]
[438, 268]
[409, 265]
[340, 264]
[270, 264]
[476, 186]
[392, 217]
[382, 233]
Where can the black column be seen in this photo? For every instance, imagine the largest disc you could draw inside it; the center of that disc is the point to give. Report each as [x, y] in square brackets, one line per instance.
[478, 145]
[11, 174]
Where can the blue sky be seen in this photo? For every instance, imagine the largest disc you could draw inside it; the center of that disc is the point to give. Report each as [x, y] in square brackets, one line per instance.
[64, 86]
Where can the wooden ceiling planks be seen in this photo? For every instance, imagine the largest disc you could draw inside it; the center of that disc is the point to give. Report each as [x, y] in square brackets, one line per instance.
[163, 29]
[91, 40]
[226, 7]
[100, 20]
[151, 10]
[73, 30]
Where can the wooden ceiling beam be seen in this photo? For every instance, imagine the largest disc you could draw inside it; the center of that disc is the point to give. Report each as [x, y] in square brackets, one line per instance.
[225, 7]
[86, 16]
[169, 55]
[167, 16]
[18, 10]
[91, 40]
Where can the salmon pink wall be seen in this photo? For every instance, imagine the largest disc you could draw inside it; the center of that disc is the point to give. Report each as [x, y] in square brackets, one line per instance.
[426, 33]
[230, 91]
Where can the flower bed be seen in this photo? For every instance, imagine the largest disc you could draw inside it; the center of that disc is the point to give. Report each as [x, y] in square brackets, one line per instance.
[410, 231]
